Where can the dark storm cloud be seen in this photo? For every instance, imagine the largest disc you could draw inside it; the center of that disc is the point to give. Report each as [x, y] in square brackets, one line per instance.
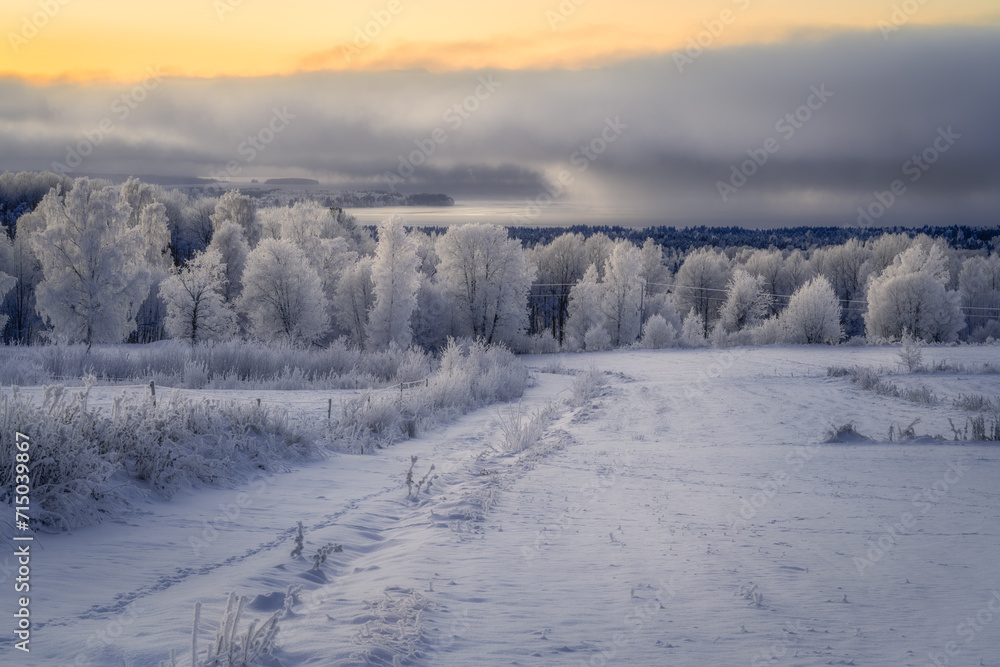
[876, 103]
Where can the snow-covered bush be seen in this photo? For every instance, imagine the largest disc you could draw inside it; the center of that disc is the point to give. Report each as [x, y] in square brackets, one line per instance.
[231, 365]
[231, 648]
[597, 339]
[657, 333]
[587, 386]
[910, 354]
[88, 465]
[470, 375]
[519, 431]
[813, 314]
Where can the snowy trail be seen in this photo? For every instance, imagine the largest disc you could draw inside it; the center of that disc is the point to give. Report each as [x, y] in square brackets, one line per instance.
[686, 515]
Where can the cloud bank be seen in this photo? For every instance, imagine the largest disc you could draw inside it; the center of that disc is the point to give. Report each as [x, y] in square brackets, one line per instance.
[796, 133]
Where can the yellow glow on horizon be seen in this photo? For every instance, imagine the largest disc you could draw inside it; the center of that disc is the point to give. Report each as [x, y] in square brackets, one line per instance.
[119, 39]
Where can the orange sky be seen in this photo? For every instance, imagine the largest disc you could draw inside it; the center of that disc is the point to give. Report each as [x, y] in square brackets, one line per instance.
[119, 39]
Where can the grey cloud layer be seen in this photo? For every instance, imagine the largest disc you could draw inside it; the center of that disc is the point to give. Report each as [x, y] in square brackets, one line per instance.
[685, 130]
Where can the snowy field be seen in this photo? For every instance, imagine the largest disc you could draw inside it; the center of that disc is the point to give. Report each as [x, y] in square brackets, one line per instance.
[689, 514]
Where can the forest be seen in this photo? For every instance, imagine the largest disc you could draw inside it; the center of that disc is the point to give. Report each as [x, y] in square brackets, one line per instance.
[87, 262]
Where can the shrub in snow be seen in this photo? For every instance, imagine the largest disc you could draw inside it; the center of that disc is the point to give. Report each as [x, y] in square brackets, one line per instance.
[230, 365]
[813, 314]
[597, 339]
[470, 375]
[282, 294]
[657, 333]
[987, 333]
[231, 648]
[518, 431]
[910, 355]
[587, 386]
[912, 295]
[88, 465]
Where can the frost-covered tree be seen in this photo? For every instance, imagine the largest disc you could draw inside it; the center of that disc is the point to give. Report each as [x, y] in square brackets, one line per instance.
[487, 280]
[911, 295]
[621, 293]
[93, 265]
[7, 283]
[18, 260]
[395, 281]
[231, 244]
[654, 270]
[584, 307]
[693, 329]
[979, 283]
[240, 210]
[747, 303]
[282, 295]
[154, 228]
[598, 248]
[847, 267]
[813, 314]
[701, 283]
[432, 320]
[196, 310]
[353, 298]
[561, 264]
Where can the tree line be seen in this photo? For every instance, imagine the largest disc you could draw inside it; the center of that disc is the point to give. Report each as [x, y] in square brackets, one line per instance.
[89, 262]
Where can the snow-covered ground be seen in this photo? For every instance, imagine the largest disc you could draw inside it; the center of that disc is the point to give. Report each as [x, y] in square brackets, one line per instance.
[688, 515]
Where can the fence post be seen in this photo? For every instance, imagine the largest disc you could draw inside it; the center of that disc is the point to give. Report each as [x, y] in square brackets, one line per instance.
[329, 408]
[152, 391]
